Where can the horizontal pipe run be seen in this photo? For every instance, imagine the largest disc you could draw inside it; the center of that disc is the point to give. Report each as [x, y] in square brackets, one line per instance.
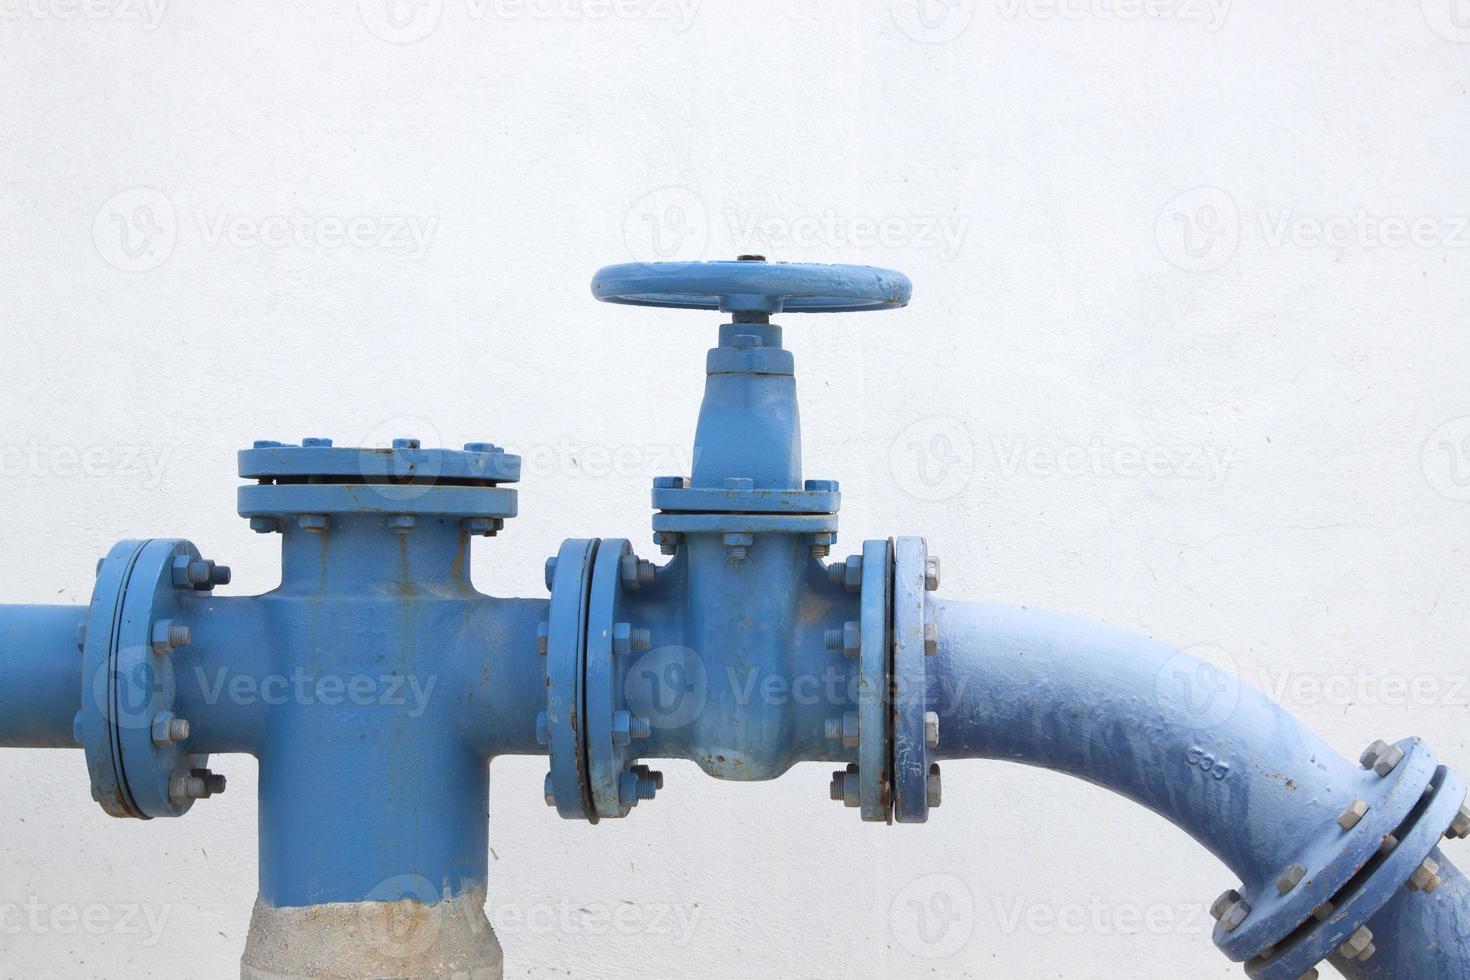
[40, 675]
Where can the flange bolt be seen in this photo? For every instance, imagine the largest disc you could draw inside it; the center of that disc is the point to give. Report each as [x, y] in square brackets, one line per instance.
[550, 572]
[1381, 757]
[315, 523]
[182, 788]
[931, 639]
[402, 523]
[1359, 945]
[199, 573]
[844, 729]
[167, 729]
[931, 574]
[1230, 910]
[627, 726]
[1425, 877]
[667, 541]
[1460, 828]
[737, 547]
[169, 636]
[546, 790]
[848, 638]
[1355, 811]
[543, 633]
[931, 729]
[1290, 878]
[848, 574]
[933, 788]
[543, 729]
[213, 781]
[845, 787]
[636, 572]
[650, 781]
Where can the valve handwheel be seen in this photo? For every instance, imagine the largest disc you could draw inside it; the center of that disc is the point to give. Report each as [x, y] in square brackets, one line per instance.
[751, 285]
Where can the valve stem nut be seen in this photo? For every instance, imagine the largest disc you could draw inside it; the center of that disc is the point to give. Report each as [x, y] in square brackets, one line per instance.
[168, 636]
[1290, 878]
[1354, 812]
[1425, 877]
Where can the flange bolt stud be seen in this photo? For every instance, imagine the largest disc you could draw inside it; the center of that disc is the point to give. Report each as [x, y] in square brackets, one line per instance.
[1290, 878]
[1230, 910]
[1460, 828]
[1354, 812]
[1359, 945]
[1381, 757]
[1425, 877]
[169, 636]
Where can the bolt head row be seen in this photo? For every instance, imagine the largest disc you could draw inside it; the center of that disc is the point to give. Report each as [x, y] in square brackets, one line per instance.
[1381, 757]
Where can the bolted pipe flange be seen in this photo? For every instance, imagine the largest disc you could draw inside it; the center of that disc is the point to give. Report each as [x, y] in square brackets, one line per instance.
[144, 594]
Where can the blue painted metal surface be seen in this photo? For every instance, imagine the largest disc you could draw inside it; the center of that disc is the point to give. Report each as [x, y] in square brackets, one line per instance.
[375, 683]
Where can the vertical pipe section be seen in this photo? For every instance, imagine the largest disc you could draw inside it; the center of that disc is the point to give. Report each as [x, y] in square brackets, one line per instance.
[40, 675]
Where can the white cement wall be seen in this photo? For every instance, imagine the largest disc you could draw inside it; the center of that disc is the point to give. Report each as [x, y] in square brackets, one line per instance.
[1187, 351]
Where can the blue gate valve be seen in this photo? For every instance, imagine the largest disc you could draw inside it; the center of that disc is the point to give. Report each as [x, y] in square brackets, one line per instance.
[375, 684]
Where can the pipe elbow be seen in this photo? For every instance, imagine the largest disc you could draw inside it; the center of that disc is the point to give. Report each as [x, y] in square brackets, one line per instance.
[1324, 847]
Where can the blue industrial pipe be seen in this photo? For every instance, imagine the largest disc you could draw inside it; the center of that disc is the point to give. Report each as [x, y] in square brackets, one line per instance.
[375, 684]
[1190, 742]
[40, 675]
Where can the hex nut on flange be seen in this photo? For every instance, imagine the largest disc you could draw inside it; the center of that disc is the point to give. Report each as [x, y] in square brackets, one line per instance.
[845, 787]
[1381, 757]
[1352, 813]
[1425, 877]
[1359, 945]
[1290, 878]
[1230, 910]
[931, 574]
[848, 574]
[168, 636]
[931, 729]
[845, 729]
[848, 638]
[1460, 828]
[933, 787]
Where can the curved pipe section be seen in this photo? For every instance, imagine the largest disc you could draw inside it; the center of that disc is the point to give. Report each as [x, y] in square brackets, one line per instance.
[40, 675]
[1190, 742]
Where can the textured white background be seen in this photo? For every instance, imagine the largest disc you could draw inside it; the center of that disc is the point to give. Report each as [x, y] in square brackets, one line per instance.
[1301, 404]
